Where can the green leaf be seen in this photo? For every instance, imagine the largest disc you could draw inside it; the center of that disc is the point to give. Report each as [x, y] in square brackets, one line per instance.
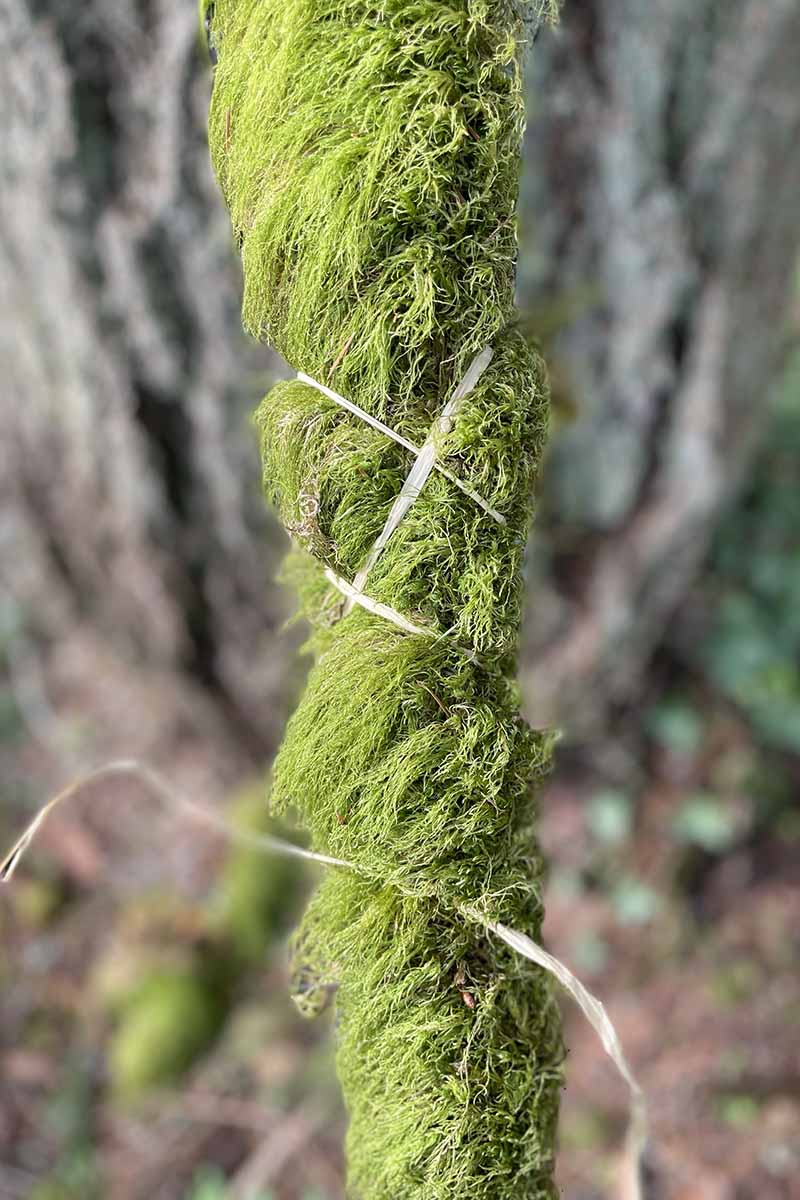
[677, 726]
[610, 816]
[634, 902]
[706, 822]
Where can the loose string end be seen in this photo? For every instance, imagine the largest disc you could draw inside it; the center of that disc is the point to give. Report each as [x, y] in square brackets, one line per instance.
[595, 1013]
[592, 1008]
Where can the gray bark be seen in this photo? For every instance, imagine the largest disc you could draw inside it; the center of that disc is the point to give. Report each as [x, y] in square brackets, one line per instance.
[660, 214]
[661, 217]
[129, 474]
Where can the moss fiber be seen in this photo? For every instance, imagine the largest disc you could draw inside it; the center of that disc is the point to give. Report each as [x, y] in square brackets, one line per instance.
[369, 155]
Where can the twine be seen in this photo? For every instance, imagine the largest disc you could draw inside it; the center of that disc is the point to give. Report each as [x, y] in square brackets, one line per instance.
[426, 461]
[343, 402]
[592, 1008]
[424, 464]
[354, 596]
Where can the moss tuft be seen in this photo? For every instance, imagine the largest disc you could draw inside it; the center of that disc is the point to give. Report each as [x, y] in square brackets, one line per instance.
[168, 1022]
[253, 904]
[369, 155]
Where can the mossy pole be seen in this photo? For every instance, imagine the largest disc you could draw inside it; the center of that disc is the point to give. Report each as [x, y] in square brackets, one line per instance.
[369, 156]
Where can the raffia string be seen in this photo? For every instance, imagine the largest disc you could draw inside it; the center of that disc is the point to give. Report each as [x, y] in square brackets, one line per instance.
[354, 596]
[426, 461]
[478, 366]
[592, 1008]
[157, 786]
[423, 466]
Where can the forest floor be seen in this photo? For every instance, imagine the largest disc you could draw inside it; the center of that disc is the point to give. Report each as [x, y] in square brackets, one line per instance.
[674, 898]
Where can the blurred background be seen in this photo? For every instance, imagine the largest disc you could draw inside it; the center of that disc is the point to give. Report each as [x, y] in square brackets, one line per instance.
[148, 1050]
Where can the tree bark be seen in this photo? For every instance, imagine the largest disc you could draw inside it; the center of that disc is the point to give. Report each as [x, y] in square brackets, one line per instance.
[660, 215]
[129, 474]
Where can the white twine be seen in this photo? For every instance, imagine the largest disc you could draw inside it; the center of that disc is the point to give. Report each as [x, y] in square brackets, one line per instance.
[354, 596]
[343, 402]
[598, 1018]
[390, 614]
[426, 461]
[424, 464]
[590, 1006]
[158, 787]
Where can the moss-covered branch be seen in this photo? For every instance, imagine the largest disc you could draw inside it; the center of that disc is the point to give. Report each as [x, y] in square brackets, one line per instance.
[369, 155]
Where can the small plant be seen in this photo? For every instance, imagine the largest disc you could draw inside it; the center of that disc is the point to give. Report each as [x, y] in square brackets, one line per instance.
[753, 655]
[170, 983]
[211, 1185]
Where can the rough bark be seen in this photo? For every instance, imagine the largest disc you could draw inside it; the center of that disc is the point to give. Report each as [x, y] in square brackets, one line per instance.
[664, 171]
[659, 213]
[129, 474]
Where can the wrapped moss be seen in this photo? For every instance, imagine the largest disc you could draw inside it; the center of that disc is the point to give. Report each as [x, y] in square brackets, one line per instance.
[369, 155]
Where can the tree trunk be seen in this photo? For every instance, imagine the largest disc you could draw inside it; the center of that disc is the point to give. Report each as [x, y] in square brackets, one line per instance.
[661, 223]
[659, 214]
[129, 474]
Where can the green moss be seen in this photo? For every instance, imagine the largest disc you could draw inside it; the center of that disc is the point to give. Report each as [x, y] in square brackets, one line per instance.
[170, 1019]
[422, 768]
[445, 1096]
[448, 566]
[255, 897]
[369, 156]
